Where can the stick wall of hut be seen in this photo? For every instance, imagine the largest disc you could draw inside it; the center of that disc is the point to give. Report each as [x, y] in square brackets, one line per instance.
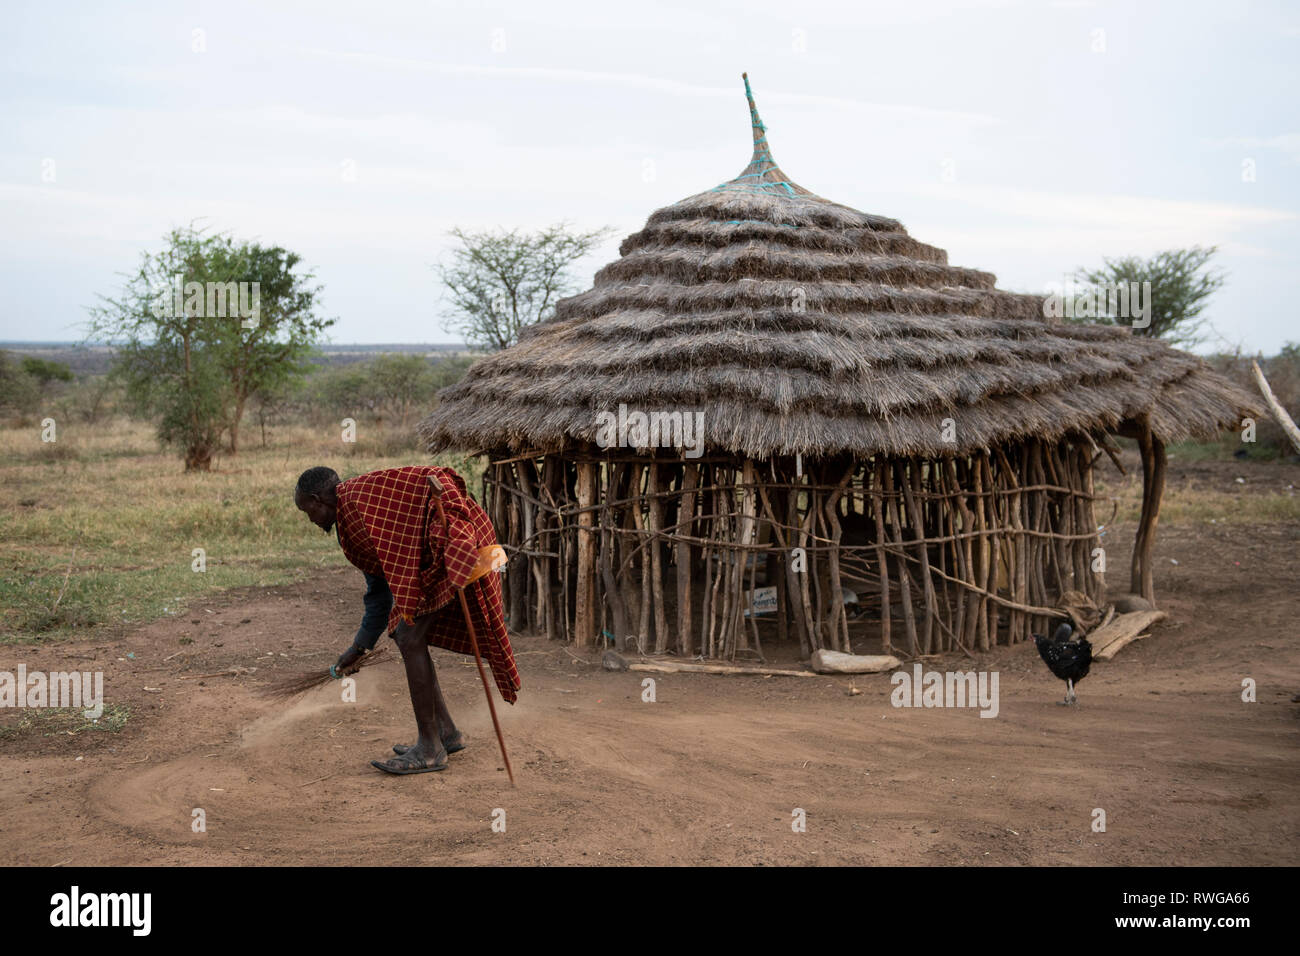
[969, 550]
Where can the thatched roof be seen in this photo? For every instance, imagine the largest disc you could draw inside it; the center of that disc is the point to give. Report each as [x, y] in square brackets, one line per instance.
[796, 324]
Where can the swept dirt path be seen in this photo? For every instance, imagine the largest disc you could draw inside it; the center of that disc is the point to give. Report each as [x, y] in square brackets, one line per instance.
[710, 773]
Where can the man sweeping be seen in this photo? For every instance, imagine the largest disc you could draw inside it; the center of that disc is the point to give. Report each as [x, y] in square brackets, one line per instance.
[417, 536]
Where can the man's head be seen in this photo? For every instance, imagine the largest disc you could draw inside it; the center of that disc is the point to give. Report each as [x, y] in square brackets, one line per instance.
[315, 496]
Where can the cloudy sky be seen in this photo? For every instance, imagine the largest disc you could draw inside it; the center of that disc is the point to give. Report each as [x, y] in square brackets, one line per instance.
[1026, 138]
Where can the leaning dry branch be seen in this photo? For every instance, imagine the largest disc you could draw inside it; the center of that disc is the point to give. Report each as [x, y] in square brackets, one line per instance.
[1283, 419]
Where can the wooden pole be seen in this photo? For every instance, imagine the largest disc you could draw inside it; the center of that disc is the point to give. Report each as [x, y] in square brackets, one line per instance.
[655, 548]
[941, 518]
[878, 512]
[690, 478]
[907, 482]
[982, 556]
[796, 581]
[521, 529]
[748, 509]
[839, 624]
[1016, 575]
[1097, 579]
[478, 660]
[969, 626]
[550, 538]
[955, 548]
[1060, 526]
[904, 576]
[706, 599]
[1153, 450]
[811, 610]
[1135, 563]
[613, 593]
[753, 618]
[585, 616]
[646, 601]
[995, 532]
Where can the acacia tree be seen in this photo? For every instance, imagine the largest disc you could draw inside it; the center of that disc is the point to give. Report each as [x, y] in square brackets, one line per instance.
[1181, 285]
[181, 354]
[501, 281]
[272, 352]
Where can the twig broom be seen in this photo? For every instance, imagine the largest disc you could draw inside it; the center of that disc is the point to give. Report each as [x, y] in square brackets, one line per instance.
[289, 687]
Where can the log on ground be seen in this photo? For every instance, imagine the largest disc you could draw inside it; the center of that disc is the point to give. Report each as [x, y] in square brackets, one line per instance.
[611, 661]
[1123, 629]
[836, 662]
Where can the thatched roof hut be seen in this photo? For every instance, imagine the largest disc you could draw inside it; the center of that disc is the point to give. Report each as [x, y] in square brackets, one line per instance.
[814, 342]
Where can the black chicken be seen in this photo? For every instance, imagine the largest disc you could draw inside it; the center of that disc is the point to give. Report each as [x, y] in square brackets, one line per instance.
[1069, 660]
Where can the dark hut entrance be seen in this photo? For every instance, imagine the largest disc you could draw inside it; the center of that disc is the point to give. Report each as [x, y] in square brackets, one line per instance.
[875, 421]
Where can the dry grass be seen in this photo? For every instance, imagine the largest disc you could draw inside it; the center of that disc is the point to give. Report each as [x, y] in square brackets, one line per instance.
[63, 721]
[1201, 493]
[99, 527]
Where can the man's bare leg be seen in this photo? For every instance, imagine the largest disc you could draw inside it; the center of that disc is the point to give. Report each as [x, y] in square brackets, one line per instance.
[451, 737]
[428, 751]
[447, 732]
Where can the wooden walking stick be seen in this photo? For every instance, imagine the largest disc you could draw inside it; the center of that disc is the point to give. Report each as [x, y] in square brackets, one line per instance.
[488, 560]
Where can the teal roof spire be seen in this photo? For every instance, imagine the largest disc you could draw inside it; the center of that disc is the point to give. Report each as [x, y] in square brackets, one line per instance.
[762, 175]
[762, 154]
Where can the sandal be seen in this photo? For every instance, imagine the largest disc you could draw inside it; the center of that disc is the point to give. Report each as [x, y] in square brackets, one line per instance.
[406, 764]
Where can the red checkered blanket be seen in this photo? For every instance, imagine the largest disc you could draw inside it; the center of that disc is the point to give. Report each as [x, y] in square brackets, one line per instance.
[387, 525]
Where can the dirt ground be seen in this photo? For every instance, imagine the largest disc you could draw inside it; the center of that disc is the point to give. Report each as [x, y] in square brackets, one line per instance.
[711, 772]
